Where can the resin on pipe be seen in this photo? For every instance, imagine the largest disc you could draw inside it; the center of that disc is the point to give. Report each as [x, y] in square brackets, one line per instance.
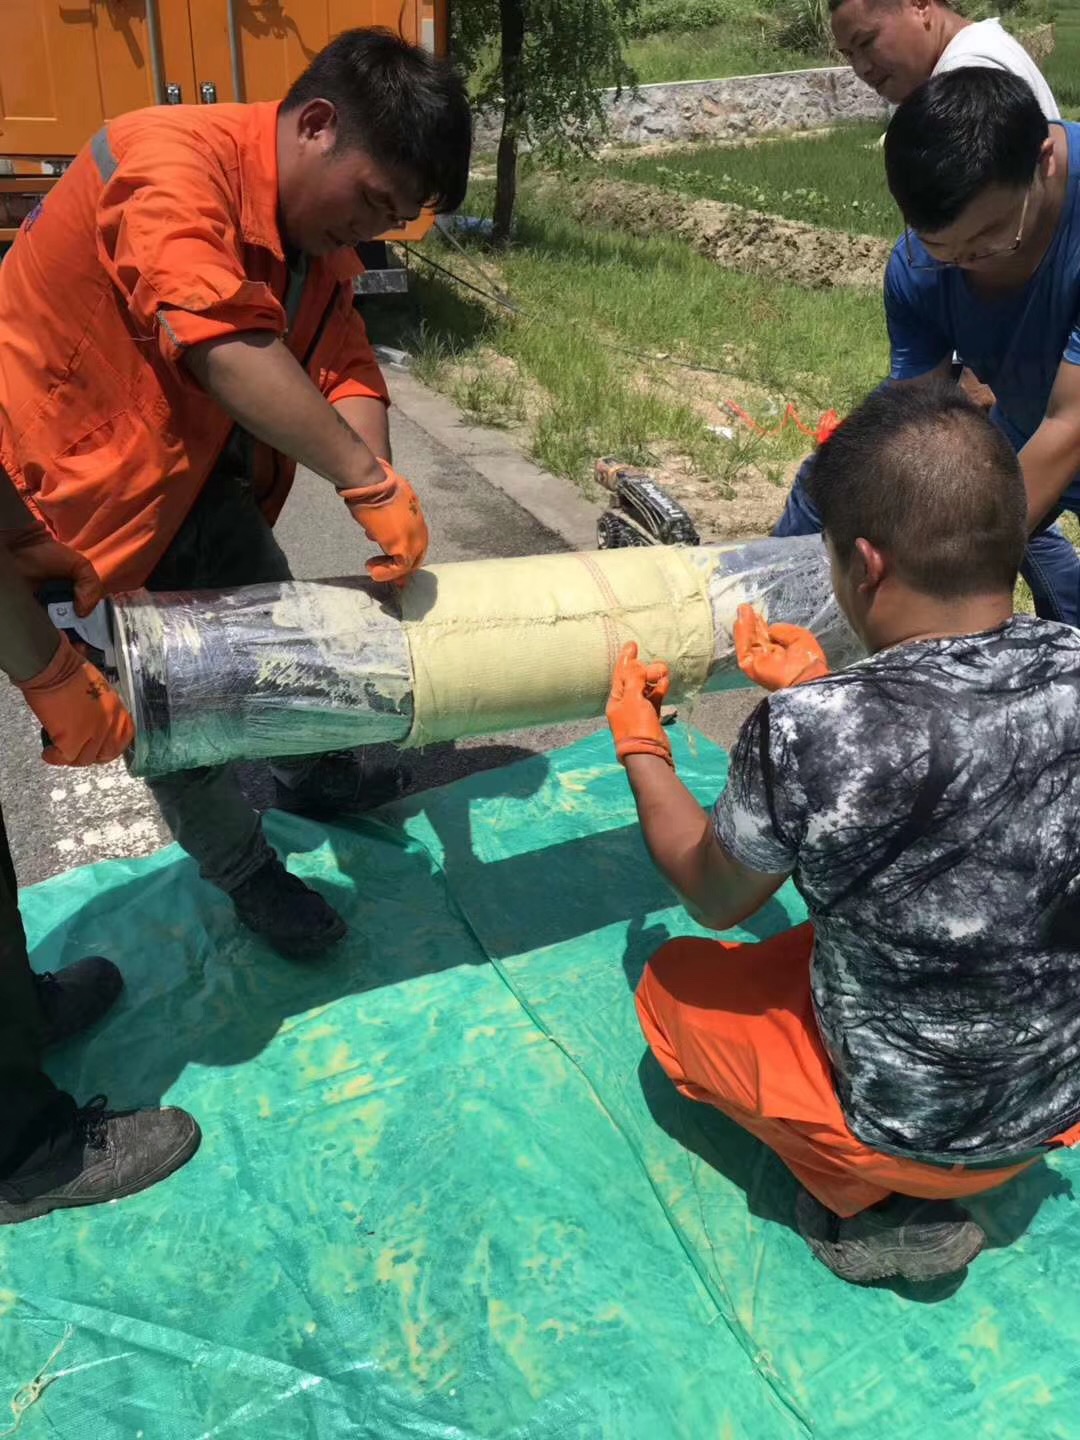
[467, 649]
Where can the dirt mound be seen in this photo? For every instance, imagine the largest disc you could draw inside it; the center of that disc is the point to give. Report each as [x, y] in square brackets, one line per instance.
[736, 238]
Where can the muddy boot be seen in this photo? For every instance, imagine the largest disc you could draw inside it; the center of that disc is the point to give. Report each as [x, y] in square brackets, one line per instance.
[295, 920]
[340, 783]
[76, 997]
[112, 1154]
[903, 1238]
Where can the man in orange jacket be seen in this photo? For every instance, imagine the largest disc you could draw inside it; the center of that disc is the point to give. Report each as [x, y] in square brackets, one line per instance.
[54, 1153]
[919, 1040]
[177, 333]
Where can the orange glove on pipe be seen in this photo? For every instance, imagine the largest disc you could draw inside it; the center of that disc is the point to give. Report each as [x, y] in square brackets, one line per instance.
[776, 656]
[633, 707]
[392, 519]
[82, 714]
[38, 557]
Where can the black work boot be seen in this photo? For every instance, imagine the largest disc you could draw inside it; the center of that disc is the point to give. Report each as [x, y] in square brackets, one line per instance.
[112, 1154]
[294, 919]
[341, 783]
[76, 997]
[903, 1238]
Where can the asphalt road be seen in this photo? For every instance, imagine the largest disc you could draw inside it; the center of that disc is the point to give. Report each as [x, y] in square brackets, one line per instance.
[57, 819]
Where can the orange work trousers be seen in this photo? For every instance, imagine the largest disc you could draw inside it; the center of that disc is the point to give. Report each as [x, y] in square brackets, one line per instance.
[734, 1025]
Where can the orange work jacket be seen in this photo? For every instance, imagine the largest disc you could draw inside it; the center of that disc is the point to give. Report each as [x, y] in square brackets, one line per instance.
[163, 234]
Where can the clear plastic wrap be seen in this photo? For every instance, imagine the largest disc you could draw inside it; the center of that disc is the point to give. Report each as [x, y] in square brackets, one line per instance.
[269, 670]
[484, 646]
[786, 579]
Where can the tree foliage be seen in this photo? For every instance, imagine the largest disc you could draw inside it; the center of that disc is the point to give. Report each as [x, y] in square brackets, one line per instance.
[545, 63]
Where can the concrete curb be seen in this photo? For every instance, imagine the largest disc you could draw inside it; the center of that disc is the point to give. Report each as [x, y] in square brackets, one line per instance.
[555, 503]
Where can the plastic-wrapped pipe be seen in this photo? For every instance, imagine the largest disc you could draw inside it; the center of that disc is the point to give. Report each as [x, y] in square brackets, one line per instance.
[467, 649]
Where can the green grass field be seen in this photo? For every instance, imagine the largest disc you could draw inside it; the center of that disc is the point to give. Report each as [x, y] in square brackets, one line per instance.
[750, 38]
[587, 288]
[713, 52]
[835, 181]
[703, 39]
[1063, 68]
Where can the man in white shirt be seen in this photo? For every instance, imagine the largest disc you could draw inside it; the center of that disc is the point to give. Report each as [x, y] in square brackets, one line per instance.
[894, 45]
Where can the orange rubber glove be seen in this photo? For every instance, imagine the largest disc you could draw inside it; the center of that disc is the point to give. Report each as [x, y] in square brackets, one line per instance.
[633, 707]
[81, 713]
[392, 519]
[38, 557]
[776, 656]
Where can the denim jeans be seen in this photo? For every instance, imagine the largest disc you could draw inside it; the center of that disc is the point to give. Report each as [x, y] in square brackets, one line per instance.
[1051, 565]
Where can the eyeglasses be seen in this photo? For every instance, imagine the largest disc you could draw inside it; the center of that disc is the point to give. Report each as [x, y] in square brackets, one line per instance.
[933, 264]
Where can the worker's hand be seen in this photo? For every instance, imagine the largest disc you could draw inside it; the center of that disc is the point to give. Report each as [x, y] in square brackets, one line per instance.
[776, 656]
[38, 557]
[392, 519]
[633, 707]
[82, 715]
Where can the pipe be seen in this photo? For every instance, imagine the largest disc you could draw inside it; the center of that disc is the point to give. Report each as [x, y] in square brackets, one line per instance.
[466, 649]
[235, 54]
[153, 47]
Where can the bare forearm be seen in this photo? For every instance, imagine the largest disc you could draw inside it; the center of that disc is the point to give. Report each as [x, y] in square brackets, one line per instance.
[714, 887]
[674, 827]
[265, 389]
[368, 417]
[1050, 461]
[27, 639]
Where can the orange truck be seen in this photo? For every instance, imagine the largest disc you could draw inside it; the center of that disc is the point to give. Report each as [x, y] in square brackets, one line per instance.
[68, 66]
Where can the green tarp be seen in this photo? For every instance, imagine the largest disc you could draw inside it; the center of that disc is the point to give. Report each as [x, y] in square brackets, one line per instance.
[444, 1193]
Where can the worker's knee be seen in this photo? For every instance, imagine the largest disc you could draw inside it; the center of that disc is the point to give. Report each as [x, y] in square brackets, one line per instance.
[675, 975]
[667, 964]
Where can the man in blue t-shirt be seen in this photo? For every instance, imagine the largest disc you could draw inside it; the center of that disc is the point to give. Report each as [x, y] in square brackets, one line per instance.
[989, 267]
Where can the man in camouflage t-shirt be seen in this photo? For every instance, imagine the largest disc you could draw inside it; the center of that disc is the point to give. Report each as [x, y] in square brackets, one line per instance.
[925, 802]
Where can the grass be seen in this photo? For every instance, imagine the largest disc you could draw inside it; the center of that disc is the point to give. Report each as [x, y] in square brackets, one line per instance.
[748, 41]
[588, 289]
[746, 48]
[835, 181]
[1062, 70]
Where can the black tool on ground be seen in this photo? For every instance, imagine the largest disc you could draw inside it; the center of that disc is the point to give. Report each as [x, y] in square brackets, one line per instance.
[643, 513]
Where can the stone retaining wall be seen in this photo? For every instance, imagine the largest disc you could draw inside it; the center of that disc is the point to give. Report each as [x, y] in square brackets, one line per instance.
[728, 109]
[742, 105]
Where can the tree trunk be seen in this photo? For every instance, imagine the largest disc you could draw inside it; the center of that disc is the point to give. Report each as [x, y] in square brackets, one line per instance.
[512, 46]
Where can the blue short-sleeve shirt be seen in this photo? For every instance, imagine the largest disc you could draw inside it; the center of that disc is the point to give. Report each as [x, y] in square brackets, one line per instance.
[1015, 342]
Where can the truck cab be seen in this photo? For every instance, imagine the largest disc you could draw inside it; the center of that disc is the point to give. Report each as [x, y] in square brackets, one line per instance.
[66, 69]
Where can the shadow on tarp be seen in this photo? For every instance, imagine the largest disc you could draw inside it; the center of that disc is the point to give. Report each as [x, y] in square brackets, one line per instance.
[770, 1189]
[525, 882]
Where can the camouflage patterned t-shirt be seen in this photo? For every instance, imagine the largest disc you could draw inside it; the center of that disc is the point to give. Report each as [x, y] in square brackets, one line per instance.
[927, 801]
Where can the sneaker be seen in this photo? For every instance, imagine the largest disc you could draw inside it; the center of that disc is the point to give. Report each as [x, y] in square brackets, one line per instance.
[904, 1238]
[76, 997]
[340, 783]
[112, 1154]
[289, 916]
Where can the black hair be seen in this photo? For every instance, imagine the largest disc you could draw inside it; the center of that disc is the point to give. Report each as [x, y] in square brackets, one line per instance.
[407, 108]
[920, 472]
[956, 135]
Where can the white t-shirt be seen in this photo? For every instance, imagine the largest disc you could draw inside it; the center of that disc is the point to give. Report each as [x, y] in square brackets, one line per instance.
[986, 43]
